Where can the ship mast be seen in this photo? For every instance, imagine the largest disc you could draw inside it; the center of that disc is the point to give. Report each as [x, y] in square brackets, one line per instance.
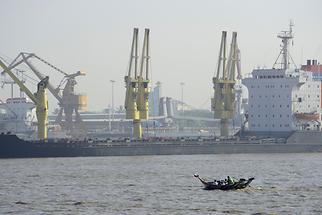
[286, 36]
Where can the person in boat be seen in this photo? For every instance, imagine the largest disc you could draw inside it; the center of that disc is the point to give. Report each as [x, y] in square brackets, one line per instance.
[216, 182]
[230, 181]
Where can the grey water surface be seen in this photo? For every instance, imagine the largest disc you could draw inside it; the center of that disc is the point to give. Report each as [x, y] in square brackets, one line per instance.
[284, 184]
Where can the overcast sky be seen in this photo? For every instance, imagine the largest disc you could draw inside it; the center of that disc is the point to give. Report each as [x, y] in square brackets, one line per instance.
[95, 36]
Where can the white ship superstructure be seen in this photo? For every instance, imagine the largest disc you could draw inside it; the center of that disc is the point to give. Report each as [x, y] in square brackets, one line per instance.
[285, 99]
[17, 115]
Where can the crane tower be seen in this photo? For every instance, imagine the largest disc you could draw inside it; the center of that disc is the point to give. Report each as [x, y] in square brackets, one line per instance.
[223, 103]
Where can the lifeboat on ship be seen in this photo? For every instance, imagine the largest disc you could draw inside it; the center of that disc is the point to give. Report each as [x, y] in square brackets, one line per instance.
[307, 116]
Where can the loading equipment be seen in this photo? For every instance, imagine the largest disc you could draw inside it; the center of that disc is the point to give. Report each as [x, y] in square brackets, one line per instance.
[223, 103]
[137, 85]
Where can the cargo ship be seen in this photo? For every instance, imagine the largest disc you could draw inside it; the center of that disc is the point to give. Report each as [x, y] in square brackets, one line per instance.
[13, 147]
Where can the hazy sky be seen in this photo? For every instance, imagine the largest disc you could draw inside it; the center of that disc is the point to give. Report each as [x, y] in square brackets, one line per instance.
[95, 36]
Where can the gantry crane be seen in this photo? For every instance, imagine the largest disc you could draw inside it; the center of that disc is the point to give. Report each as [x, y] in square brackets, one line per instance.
[39, 98]
[223, 103]
[68, 101]
[137, 86]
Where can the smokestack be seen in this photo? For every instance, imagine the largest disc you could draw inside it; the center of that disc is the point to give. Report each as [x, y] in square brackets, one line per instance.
[163, 107]
[169, 107]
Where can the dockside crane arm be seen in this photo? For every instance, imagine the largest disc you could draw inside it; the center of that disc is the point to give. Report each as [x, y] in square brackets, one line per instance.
[17, 81]
[131, 82]
[50, 87]
[143, 79]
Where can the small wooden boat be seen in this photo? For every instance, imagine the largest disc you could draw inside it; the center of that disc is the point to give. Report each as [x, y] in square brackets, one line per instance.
[224, 185]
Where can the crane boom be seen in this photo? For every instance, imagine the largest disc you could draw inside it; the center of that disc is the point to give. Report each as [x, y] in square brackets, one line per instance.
[40, 76]
[143, 80]
[20, 84]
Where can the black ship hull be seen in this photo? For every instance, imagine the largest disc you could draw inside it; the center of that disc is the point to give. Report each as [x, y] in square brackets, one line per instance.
[13, 147]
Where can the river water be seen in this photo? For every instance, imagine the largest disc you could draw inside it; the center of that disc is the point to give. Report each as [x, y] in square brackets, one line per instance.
[284, 184]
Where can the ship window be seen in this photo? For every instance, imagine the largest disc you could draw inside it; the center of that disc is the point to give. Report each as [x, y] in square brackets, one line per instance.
[280, 106]
[282, 76]
[251, 105]
[281, 86]
[318, 96]
[259, 115]
[252, 115]
[259, 106]
[273, 96]
[308, 86]
[265, 125]
[273, 115]
[287, 105]
[317, 105]
[308, 96]
[273, 125]
[273, 105]
[309, 106]
[269, 76]
[318, 86]
[288, 115]
[266, 106]
[266, 115]
[260, 96]
[280, 115]
[280, 125]
[257, 86]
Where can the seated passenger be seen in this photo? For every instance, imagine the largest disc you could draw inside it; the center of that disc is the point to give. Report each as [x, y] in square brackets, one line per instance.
[230, 180]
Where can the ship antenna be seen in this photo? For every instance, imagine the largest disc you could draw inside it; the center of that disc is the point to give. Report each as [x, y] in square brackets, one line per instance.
[286, 37]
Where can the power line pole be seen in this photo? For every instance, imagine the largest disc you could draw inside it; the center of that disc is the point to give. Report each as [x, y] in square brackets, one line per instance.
[112, 82]
[182, 105]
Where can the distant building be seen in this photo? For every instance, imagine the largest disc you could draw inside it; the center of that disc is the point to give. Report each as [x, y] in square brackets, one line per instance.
[154, 100]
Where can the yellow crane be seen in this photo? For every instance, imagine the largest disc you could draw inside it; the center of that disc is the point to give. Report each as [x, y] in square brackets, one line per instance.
[137, 86]
[39, 98]
[68, 101]
[223, 103]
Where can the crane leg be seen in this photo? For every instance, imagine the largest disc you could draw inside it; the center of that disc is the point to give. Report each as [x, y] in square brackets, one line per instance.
[137, 128]
[224, 131]
[42, 122]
